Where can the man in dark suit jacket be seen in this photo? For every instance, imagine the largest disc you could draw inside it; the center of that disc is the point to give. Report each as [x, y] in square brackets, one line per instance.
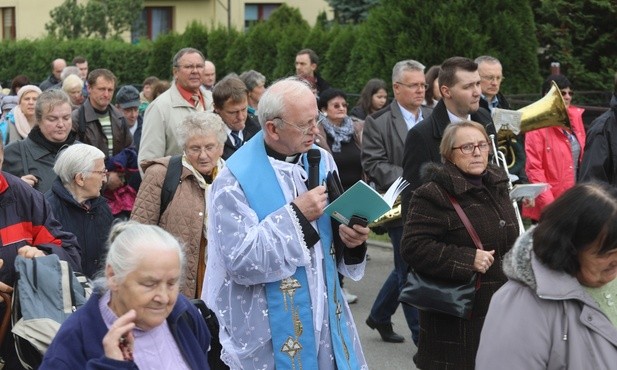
[459, 83]
[383, 142]
[230, 97]
[491, 76]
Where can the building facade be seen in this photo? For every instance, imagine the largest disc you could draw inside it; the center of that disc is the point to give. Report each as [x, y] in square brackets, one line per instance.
[26, 19]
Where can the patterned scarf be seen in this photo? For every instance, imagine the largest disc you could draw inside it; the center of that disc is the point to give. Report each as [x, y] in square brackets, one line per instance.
[339, 134]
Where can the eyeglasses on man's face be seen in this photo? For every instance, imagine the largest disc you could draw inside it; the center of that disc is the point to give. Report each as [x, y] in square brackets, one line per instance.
[192, 67]
[470, 148]
[567, 92]
[305, 129]
[416, 86]
[493, 78]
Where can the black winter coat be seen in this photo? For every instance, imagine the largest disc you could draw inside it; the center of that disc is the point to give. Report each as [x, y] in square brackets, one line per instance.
[436, 243]
[91, 226]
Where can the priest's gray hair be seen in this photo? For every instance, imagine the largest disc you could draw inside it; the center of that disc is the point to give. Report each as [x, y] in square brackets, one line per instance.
[274, 100]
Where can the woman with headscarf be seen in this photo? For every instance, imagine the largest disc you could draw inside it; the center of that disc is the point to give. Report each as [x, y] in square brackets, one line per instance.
[22, 118]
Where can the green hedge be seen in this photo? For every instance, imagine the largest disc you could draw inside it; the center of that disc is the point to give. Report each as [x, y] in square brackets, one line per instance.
[33, 58]
[350, 54]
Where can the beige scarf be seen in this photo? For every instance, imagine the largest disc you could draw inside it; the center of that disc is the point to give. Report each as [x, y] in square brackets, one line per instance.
[201, 181]
[22, 124]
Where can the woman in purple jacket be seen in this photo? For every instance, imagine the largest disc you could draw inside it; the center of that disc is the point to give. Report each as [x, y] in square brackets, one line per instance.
[136, 319]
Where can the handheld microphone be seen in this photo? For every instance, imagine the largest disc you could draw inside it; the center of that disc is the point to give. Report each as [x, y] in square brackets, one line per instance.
[313, 156]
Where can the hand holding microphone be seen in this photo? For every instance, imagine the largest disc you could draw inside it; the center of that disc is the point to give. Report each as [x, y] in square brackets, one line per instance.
[313, 202]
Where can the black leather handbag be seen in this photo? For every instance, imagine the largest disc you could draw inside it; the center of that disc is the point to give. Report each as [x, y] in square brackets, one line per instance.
[443, 296]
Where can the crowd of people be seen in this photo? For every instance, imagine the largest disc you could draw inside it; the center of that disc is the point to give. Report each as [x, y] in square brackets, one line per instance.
[212, 189]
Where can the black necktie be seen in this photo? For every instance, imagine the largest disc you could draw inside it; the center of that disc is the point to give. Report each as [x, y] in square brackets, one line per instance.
[237, 140]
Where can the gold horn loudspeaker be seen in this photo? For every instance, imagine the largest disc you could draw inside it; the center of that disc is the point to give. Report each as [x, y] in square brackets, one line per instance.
[391, 215]
[549, 111]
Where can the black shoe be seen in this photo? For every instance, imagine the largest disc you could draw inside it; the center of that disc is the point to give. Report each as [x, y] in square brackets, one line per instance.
[385, 330]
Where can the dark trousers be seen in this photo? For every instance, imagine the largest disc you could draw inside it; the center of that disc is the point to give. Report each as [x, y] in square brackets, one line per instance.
[387, 302]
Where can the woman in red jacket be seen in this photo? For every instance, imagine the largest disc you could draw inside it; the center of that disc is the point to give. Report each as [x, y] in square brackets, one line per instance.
[554, 153]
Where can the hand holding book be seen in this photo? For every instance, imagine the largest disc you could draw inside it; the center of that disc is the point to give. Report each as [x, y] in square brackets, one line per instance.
[364, 202]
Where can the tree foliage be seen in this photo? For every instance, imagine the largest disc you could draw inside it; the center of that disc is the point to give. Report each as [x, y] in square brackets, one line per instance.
[431, 32]
[66, 20]
[98, 18]
[338, 53]
[582, 37]
[351, 11]
[285, 30]
[220, 41]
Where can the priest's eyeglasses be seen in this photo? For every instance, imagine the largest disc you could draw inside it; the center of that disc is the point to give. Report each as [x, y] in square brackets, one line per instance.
[305, 129]
[470, 148]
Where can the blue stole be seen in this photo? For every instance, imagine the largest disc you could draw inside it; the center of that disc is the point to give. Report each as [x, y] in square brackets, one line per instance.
[289, 300]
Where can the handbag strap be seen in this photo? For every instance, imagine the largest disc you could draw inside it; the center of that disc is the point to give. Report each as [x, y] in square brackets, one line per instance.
[466, 222]
[470, 230]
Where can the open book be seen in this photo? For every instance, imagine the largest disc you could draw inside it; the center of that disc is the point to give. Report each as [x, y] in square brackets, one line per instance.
[363, 201]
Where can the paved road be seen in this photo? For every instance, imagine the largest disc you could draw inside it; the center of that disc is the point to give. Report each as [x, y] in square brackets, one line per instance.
[379, 354]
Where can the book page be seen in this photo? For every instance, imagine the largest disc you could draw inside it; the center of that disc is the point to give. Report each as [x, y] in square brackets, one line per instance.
[395, 190]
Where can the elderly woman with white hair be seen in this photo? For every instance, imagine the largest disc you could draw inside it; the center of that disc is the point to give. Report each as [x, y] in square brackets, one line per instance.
[73, 86]
[136, 318]
[33, 158]
[202, 137]
[76, 201]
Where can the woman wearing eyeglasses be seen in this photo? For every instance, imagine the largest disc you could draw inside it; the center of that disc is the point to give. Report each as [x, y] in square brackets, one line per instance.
[554, 153]
[202, 136]
[76, 201]
[341, 135]
[436, 243]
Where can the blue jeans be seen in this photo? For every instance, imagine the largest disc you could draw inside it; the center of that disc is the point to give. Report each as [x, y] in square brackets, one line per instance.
[387, 302]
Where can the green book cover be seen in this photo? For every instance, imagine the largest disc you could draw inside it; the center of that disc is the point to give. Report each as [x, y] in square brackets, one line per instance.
[359, 200]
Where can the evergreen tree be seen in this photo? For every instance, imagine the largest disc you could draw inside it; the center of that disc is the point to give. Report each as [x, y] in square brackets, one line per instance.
[221, 41]
[236, 55]
[509, 26]
[582, 37]
[337, 55]
[195, 36]
[430, 32]
[265, 38]
[161, 55]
